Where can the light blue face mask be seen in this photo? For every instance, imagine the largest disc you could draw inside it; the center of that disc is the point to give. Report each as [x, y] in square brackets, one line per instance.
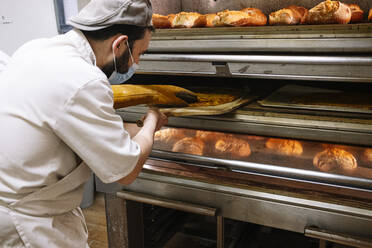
[119, 78]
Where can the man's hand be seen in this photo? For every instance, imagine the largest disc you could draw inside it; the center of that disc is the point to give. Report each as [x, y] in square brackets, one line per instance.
[154, 115]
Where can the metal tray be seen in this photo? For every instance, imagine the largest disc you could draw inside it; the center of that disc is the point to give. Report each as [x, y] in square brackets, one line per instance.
[282, 98]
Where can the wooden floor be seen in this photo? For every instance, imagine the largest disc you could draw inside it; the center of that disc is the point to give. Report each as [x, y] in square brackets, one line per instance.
[96, 221]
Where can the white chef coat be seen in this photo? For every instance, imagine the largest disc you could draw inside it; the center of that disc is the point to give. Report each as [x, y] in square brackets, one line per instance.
[4, 59]
[56, 105]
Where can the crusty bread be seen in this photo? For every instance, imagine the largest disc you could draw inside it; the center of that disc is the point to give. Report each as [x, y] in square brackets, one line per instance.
[285, 146]
[289, 16]
[370, 15]
[257, 17]
[329, 12]
[208, 136]
[189, 20]
[367, 157]
[189, 145]
[211, 19]
[356, 13]
[334, 159]
[235, 19]
[169, 135]
[233, 146]
[161, 21]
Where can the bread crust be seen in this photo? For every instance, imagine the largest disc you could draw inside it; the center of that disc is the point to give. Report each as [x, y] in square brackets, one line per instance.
[356, 13]
[189, 20]
[235, 19]
[169, 135]
[290, 15]
[234, 146]
[285, 146]
[211, 19]
[329, 12]
[211, 137]
[334, 159]
[189, 145]
[367, 157]
[257, 17]
[161, 21]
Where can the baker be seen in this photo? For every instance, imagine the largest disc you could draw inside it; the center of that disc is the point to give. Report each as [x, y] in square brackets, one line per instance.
[4, 59]
[58, 124]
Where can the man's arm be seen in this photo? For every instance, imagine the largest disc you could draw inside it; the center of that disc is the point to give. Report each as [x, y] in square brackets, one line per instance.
[154, 120]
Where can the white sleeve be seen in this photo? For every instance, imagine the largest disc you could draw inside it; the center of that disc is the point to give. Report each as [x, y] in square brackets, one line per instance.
[4, 59]
[92, 129]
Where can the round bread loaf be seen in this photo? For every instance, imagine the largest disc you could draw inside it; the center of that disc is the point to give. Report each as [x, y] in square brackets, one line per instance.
[233, 146]
[285, 146]
[335, 159]
[189, 145]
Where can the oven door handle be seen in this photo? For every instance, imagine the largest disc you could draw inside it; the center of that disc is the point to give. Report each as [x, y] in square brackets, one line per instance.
[343, 239]
[177, 205]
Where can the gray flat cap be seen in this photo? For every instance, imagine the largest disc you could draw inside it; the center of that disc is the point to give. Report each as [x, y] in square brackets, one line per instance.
[100, 14]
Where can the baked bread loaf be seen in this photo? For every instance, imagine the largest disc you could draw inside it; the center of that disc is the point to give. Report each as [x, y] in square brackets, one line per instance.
[370, 15]
[367, 157]
[257, 17]
[211, 19]
[233, 146]
[236, 19]
[208, 136]
[329, 12]
[161, 21]
[188, 20]
[289, 16]
[334, 159]
[189, 145]
[285, 146]
[356, 13]
[169, 135]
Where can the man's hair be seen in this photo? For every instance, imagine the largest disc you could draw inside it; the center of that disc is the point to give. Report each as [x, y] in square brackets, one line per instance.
[133, 32]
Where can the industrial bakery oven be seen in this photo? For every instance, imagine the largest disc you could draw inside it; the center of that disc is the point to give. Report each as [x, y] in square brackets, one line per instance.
[296, 157]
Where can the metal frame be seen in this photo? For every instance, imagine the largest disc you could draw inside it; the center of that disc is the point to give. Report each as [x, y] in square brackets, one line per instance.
[353, 68]
[60, 15]
[270, 209]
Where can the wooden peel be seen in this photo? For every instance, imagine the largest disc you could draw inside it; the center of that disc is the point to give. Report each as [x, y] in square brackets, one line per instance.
[204, 110]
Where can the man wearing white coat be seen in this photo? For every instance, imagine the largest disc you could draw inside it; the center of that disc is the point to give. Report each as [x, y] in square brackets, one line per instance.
[4, 59]
[58, 124]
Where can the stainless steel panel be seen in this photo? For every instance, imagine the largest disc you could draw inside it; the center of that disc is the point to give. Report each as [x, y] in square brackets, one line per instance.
[261, 45]
[279, 211]
[240, 121]
[266, 169]
[330, 68]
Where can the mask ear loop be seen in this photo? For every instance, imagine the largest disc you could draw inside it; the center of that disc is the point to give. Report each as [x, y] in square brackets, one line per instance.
[113, 54]
[130, 53]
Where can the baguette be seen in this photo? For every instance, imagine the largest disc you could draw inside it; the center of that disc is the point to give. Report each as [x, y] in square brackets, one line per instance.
[235, 19]
[211, 19]
[257, 17]
[188, 20]
[289, 16]
[356, 13]
[329, 12]
[161, 21]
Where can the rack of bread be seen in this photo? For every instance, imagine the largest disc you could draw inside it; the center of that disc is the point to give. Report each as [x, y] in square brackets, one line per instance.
[326, 12]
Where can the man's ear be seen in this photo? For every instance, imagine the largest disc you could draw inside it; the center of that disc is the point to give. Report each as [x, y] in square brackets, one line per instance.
[118, 42]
